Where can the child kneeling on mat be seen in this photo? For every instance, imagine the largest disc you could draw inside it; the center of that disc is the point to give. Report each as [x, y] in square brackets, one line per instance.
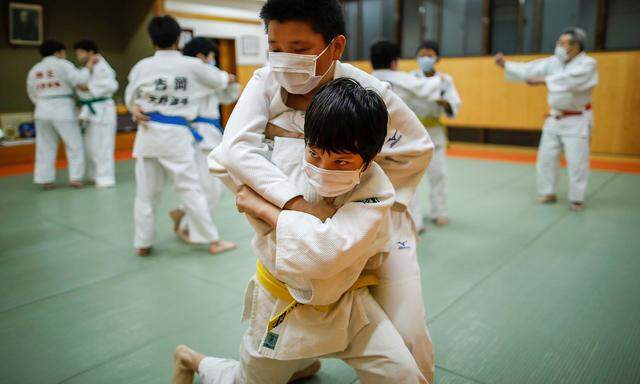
[309, 298]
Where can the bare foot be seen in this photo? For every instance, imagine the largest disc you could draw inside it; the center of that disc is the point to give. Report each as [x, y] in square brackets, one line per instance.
[221, 246]
[307, 372]
[176, 216]
[576, 206]
[143, 251]
[547, 199]
[75, 184]
[183, 234]
[441, 221]
[184, 365]
[48, 186]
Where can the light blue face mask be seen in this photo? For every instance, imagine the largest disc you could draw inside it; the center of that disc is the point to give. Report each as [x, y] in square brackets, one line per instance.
[427, 63]
[213, 62]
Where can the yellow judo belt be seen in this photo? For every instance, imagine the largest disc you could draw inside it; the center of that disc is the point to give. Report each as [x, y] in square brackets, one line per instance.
[279, 289]
[429, 121]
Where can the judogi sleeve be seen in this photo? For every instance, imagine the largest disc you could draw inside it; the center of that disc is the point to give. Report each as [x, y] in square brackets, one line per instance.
[103, 82]
[451, 96]
[131, 93]
[580, 77]
[210, 76]
[310, 249]
[427, 88]
[243, 152]
[229, 94]
[406, 154]
[516, 71]
[74, 75]
[31, 86]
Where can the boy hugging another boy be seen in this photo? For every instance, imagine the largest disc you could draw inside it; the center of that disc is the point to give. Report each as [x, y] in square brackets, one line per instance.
[310, 296]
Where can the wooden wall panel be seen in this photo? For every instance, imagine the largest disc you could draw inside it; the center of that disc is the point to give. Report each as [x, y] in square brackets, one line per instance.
[491, 102]
[245, 72]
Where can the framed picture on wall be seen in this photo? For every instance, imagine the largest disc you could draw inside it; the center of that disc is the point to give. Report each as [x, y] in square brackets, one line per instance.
[25, 24]
[250, 45]
[185, 36]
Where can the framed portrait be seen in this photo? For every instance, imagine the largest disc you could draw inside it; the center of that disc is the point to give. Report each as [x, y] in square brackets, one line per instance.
[25, 24]
[185, 36]
[250, 45]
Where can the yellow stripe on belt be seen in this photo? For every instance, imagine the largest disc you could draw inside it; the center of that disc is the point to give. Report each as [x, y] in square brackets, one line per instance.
[429, 121]
[279, 289]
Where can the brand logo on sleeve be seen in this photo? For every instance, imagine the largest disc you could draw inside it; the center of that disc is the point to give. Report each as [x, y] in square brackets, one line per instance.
[404, 244]
[393, 140]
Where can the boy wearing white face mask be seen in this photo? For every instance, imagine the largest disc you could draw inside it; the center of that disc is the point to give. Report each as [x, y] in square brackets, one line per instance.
[306, 41]
[429, 94]
[570, 76]
[310, 297]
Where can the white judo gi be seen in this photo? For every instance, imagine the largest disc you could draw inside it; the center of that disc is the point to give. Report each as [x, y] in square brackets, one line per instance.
[50, 86]
[319, 262]
[568, 126]
[404, 157]
[98, 117]
[211, 137]
[174, 86]
[421, 98]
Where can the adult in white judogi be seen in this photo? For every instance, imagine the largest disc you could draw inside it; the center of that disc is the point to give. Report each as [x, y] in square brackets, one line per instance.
[169, 88]
[209, 126]
[570, 76]
[98, 116]
[404, 158]
[50, 86]
[318, 269]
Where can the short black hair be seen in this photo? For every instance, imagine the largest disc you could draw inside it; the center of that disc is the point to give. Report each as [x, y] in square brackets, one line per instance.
[49, 47]
[86, 45]
[201, 45]
[346, 117]
[164, 31]
[325, 16]
[383, 53]
[429, 44]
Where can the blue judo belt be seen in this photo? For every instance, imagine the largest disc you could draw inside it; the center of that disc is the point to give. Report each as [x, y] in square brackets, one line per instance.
[175, 120]
[205, 120]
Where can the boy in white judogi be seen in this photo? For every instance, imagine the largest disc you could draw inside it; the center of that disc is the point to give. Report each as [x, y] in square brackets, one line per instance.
[429, 102]
[50, 86]
[570, 76]
[98, 115]
[164, 93]
[305, 47]
[209, 126]
[309, 298]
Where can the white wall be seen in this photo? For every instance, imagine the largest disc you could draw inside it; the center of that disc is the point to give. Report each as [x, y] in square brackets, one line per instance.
[239, 9]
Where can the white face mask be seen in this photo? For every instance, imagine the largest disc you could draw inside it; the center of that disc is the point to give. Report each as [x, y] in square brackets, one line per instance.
[297, 73]
[212, 62]
[427, 63]
[331, 183]
[561, 53]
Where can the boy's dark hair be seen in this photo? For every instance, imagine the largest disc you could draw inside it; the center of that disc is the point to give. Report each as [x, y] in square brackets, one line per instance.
[49, 47]
[429, 44]
[345, 117]
[383, 53]
[164, 31]
[201, 45]
[325, 16]
[86, 45]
